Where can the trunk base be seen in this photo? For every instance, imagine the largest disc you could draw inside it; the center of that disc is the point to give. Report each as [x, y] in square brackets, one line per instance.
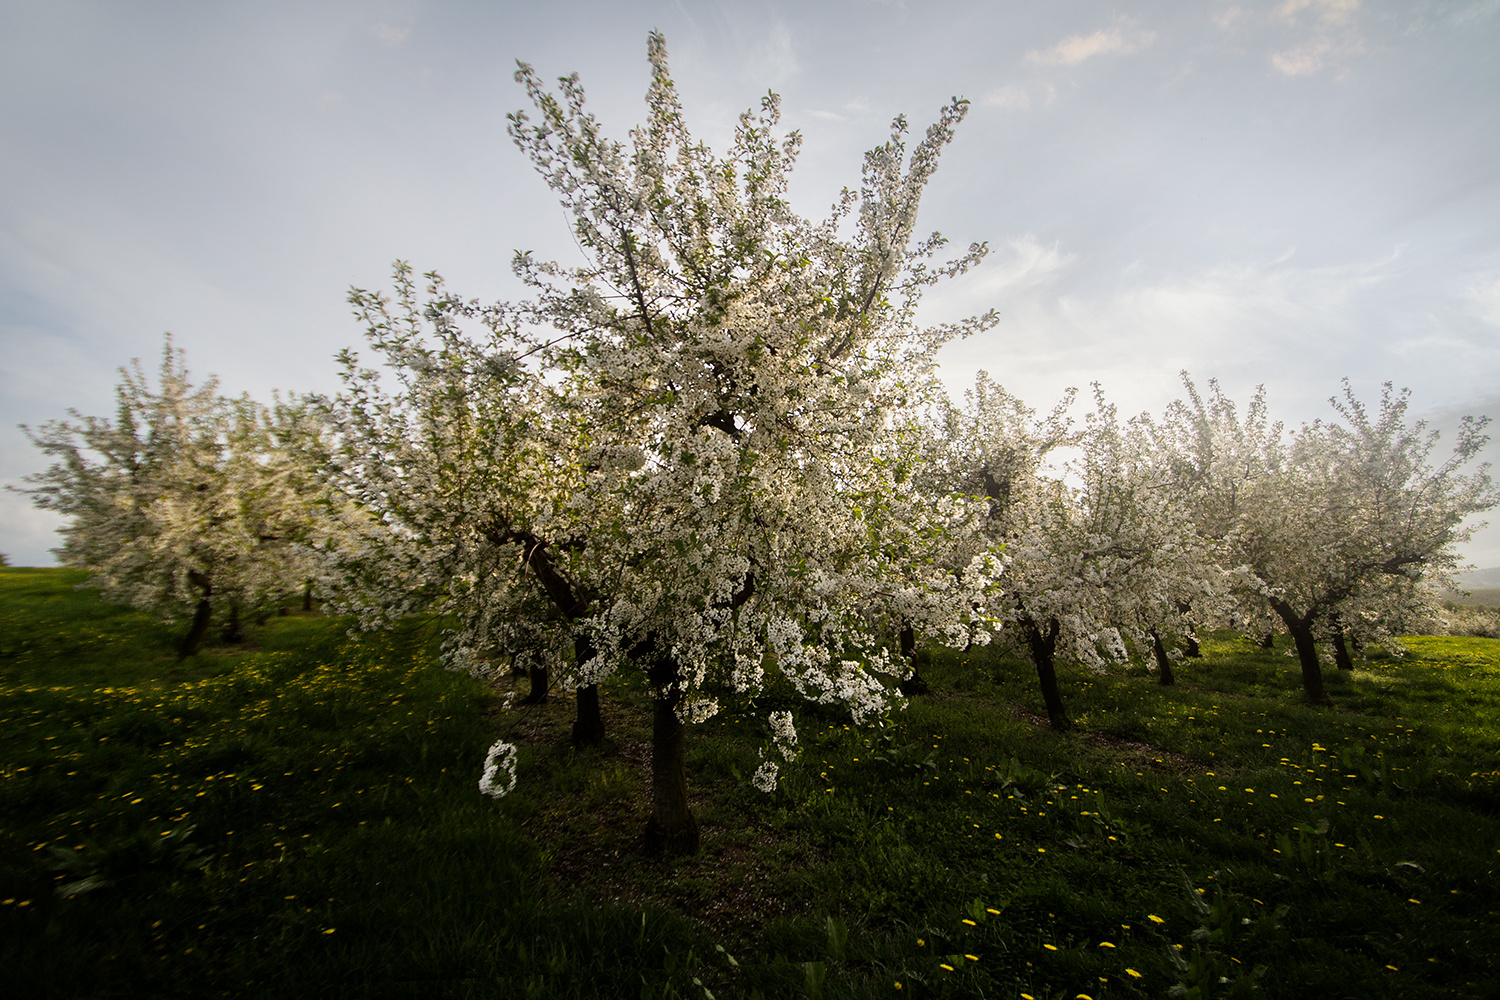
[538, 687]
[679, 840]
[914, 685]
[588, 726]
[197, 631]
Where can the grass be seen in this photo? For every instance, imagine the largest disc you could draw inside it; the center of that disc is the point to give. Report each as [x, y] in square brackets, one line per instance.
[300, 817]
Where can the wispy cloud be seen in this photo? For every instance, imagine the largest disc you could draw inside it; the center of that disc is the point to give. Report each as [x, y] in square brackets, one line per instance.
[774, 60]
[1121, 38]
[1014, 97]
[1484, 298]
[388, 35]
[1328, 34]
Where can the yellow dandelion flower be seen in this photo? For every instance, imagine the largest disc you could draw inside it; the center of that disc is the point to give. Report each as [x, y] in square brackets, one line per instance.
[1154, 918]
[945, 965]
[1132, 974]
[1050, 947]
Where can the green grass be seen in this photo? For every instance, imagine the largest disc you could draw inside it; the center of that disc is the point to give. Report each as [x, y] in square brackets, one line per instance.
[300, 817]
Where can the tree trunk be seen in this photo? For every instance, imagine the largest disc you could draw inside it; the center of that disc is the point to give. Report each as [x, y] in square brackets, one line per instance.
[201, 616]
[233, 633]
[588, 725]
[672, 828]
[538, 692]
[307, 597]
[1307, 650]
[913, 685]
[1189, 638]
[1042, 646]
[1340, 651]
[1163, 661]
[1268, 641]
[197, 630]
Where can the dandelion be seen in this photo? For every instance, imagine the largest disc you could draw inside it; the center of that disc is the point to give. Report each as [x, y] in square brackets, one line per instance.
[1050, 947]
[1105, 944]
[972, 958]
[945, 965]
[1154, 918]
[1132, 974]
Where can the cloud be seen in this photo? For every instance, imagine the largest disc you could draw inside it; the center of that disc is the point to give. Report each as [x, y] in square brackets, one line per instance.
[1028, 265]
[1330, 36]
[775, 59]
[387, 35]
[1333, 12]
[1484, 299]
[1120, 39]
[1011, 96]
[1064, 323]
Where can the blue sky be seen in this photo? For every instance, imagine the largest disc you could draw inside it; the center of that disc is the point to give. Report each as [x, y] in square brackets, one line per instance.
[1282, 192]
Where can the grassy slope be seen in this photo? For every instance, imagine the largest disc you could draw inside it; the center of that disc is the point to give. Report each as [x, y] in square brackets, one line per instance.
[301, 818]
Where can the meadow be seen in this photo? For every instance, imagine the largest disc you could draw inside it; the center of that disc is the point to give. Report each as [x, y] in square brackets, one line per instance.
[298, 816]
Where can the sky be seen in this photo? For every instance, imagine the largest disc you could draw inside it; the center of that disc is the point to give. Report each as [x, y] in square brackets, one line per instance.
[1263, 192]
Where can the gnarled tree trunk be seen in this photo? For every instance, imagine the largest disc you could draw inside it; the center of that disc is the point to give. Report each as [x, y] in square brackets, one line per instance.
[1307, 649]
[1165, 676]
[1043, 644]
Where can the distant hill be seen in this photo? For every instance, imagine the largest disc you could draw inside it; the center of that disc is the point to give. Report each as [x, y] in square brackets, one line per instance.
[1480, 579]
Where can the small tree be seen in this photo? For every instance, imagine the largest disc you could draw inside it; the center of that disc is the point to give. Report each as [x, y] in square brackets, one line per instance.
[178, 504]
[1094, 549]
[1337, 525]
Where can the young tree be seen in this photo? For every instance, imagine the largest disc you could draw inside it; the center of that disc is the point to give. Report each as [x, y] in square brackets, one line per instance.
[1093, 548]
[180, 503]
[1337, 524]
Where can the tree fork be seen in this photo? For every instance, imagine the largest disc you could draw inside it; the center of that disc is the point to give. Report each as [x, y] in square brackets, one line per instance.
[1307, 651]
[1042, 648]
